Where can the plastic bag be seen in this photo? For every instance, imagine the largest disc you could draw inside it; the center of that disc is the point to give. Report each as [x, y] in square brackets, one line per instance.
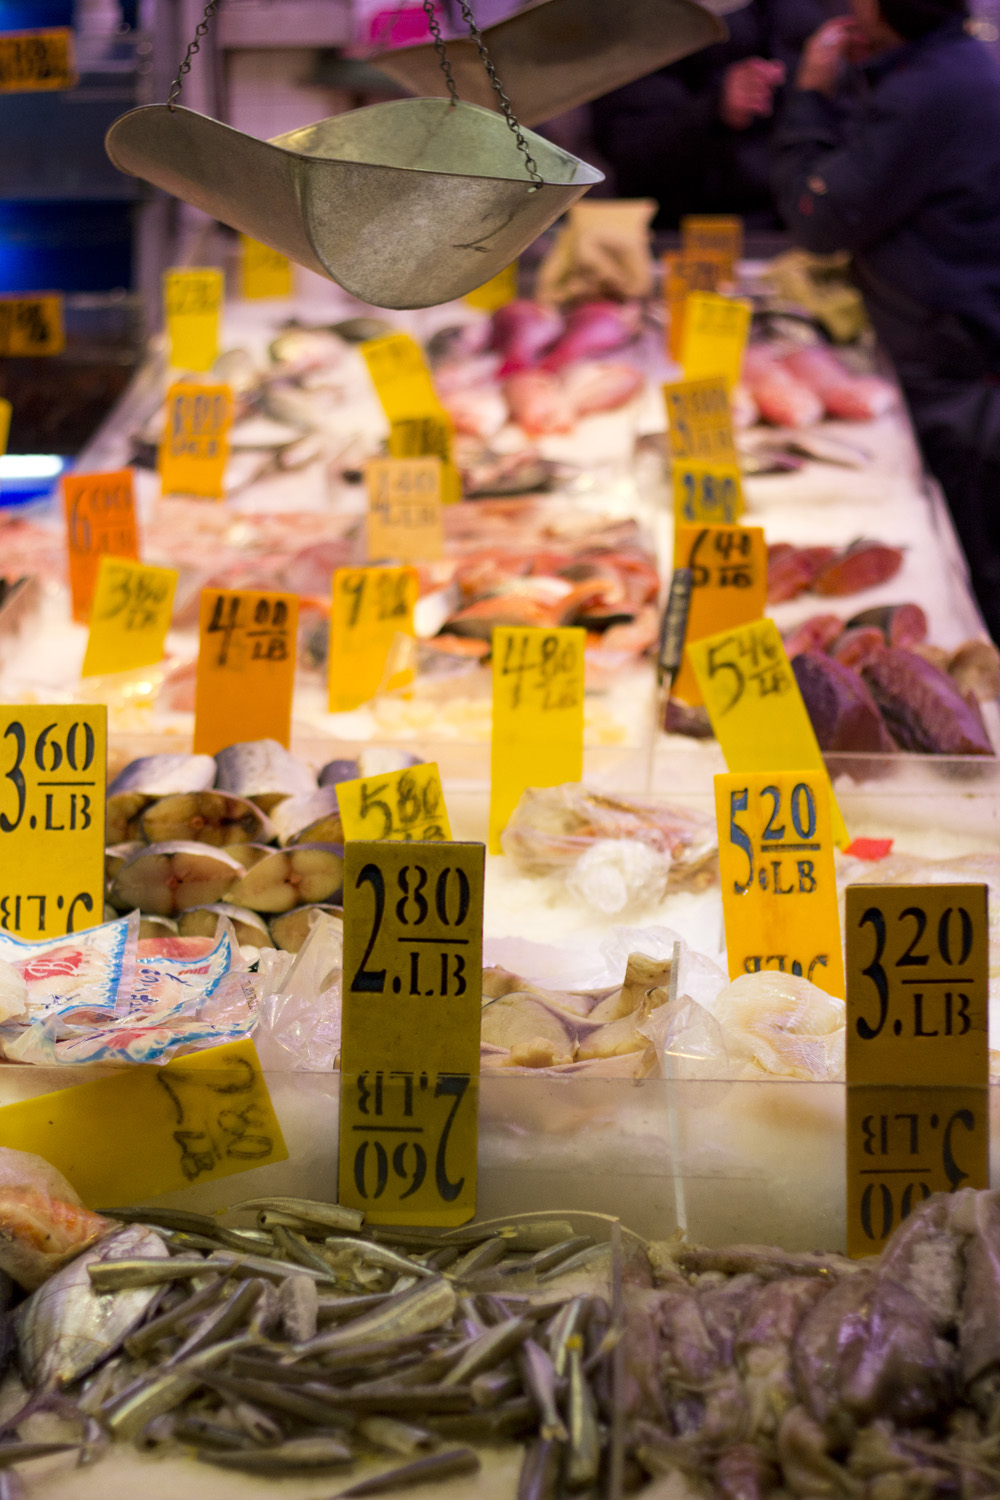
[299, 1003]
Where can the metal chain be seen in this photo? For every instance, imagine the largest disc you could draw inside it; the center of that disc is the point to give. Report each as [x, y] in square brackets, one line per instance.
[504, 102]
[194, 46]
[439, 47]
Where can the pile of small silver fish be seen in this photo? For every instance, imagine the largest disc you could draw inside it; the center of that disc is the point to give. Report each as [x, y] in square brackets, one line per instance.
[304, 1343]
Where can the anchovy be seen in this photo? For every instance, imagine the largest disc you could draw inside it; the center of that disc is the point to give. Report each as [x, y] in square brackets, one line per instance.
[419, 1310]
[394, 1436]
[298, 1302]
[421, 1471]
[376, 1255]
[19, 1453]
[539, 1471]
[167, 1323]
[221, 1322]
[308, 1455]
[584, 1457]
[480, 1257]
[562, 1328]
[539, 1377]
[181, 1219]
[334, 1215]
[490, 1350]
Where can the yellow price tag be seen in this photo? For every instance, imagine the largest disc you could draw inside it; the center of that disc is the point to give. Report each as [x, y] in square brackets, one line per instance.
[428, 436]
[371, 606]
[53, 772]
[409, 1066]
[537, 715]
[36, 61]
[728, 586]
[130, 616]
[400, 376]
[755, 706]
[682, 275]
[713, 234]
[100, 519]
[715, 335]
[404, 509]
[700, 421]
[195, 447]
[265, 272]
[904, 1144]
[779, 887]
[400, 807]
[711, 493]
[6, 411]
[246, 668]
[496, 292]
[32, 324]
[193, 1120]
[192, 301]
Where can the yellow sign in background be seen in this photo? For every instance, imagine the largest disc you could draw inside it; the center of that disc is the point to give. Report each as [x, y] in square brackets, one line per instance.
[700, 420]
[130, 617]
[195, 446]
[713, 234]
[246, 667]
[150, 1130]
[537, 715]
[192, 302]
[32, 324]
[400, 806]
[36, 61]
[53, 772]
[779, 887]
[497, 292]
[371, 606]
[756, 709]
[710, 493]
[100, 519]
[412, 997]
[715, 335]
[264, 272]
[728, 585]
[419, 426]
[404, 509]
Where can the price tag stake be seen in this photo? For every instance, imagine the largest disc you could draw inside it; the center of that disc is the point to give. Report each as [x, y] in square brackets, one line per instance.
[402, 807]
[246, 668]
[53, 771]
[133, 604]
[779, 888]
[100, 519]
[371, 606]
[413, 923]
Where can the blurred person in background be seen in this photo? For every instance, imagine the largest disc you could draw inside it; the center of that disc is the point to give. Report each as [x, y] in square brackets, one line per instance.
[889, 147]
[696, 135]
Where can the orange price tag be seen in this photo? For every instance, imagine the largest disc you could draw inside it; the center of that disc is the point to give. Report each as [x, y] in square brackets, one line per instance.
[683, 274]
[195, 446]
[37, 61]
[100, 518]
[728, 585]
[32, 324]
[371, 607]
[246, 668]
[713, 234]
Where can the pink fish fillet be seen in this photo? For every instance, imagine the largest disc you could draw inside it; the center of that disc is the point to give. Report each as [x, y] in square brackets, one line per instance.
[539, 403]
[592, 386]
[522, 331]
[594, 328]
[478, 412]
[779, 396]
[855, 398]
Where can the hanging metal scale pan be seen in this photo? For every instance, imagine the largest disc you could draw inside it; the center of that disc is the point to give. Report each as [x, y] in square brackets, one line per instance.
[556, 54]
[406, 204]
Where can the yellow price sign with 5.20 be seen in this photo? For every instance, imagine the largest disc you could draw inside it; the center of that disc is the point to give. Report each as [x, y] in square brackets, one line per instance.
[412, 998]
[53, 772]
[371, 607]
[192, 301]
[538, 679]
[246, 668]
[195, 446]
[779, 887]
[404, 509]
[728, 585]
[715, 336]
[755, 706]
[130, 616]
[401, 806]
[193, 1120]
[32, 324]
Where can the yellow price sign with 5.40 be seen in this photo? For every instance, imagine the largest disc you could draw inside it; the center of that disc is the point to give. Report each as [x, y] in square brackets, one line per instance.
[371, 607]
[728, 585]
[130, 616]
[401, 806]
[757, 713]
[195, 446]
[779, 887]
[192, 302]
[53, 773]
[715, 336]
[538, 680]
[404, 509]
[412, 998]
[246, 668]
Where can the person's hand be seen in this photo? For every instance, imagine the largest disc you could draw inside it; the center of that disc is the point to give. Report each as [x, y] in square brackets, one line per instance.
[824, 54]
[748, 91]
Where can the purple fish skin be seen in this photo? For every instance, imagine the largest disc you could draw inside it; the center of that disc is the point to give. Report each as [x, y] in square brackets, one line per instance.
[844, 714]
[922, 706]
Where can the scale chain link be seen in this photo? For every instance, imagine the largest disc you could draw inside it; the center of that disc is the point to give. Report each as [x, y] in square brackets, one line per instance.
[439, 47]
[498, 89]
[194, 47]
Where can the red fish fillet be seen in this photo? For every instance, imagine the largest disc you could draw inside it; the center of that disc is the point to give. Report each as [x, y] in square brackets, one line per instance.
[791, 570]
[779, 396]
[855, 398]
[901, 624]
[522, 331]
[861, 566]
[857, 646]
[594, 328]
[539, 403]
[814, 634]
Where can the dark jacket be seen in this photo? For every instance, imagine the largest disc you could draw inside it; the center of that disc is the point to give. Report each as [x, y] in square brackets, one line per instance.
[663, 136]
[905, 174]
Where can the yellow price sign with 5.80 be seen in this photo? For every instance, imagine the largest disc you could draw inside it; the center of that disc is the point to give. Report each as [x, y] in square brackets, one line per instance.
[404, 509]
[53, 772]
[371, 606]
[401, 806]
[246, 668]
[195, 446]
[779, 887]
[130, 617]
[412, 998]
[755, 706]
[715, 336]
[192, 301]
[538, 680]
[728, 585]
